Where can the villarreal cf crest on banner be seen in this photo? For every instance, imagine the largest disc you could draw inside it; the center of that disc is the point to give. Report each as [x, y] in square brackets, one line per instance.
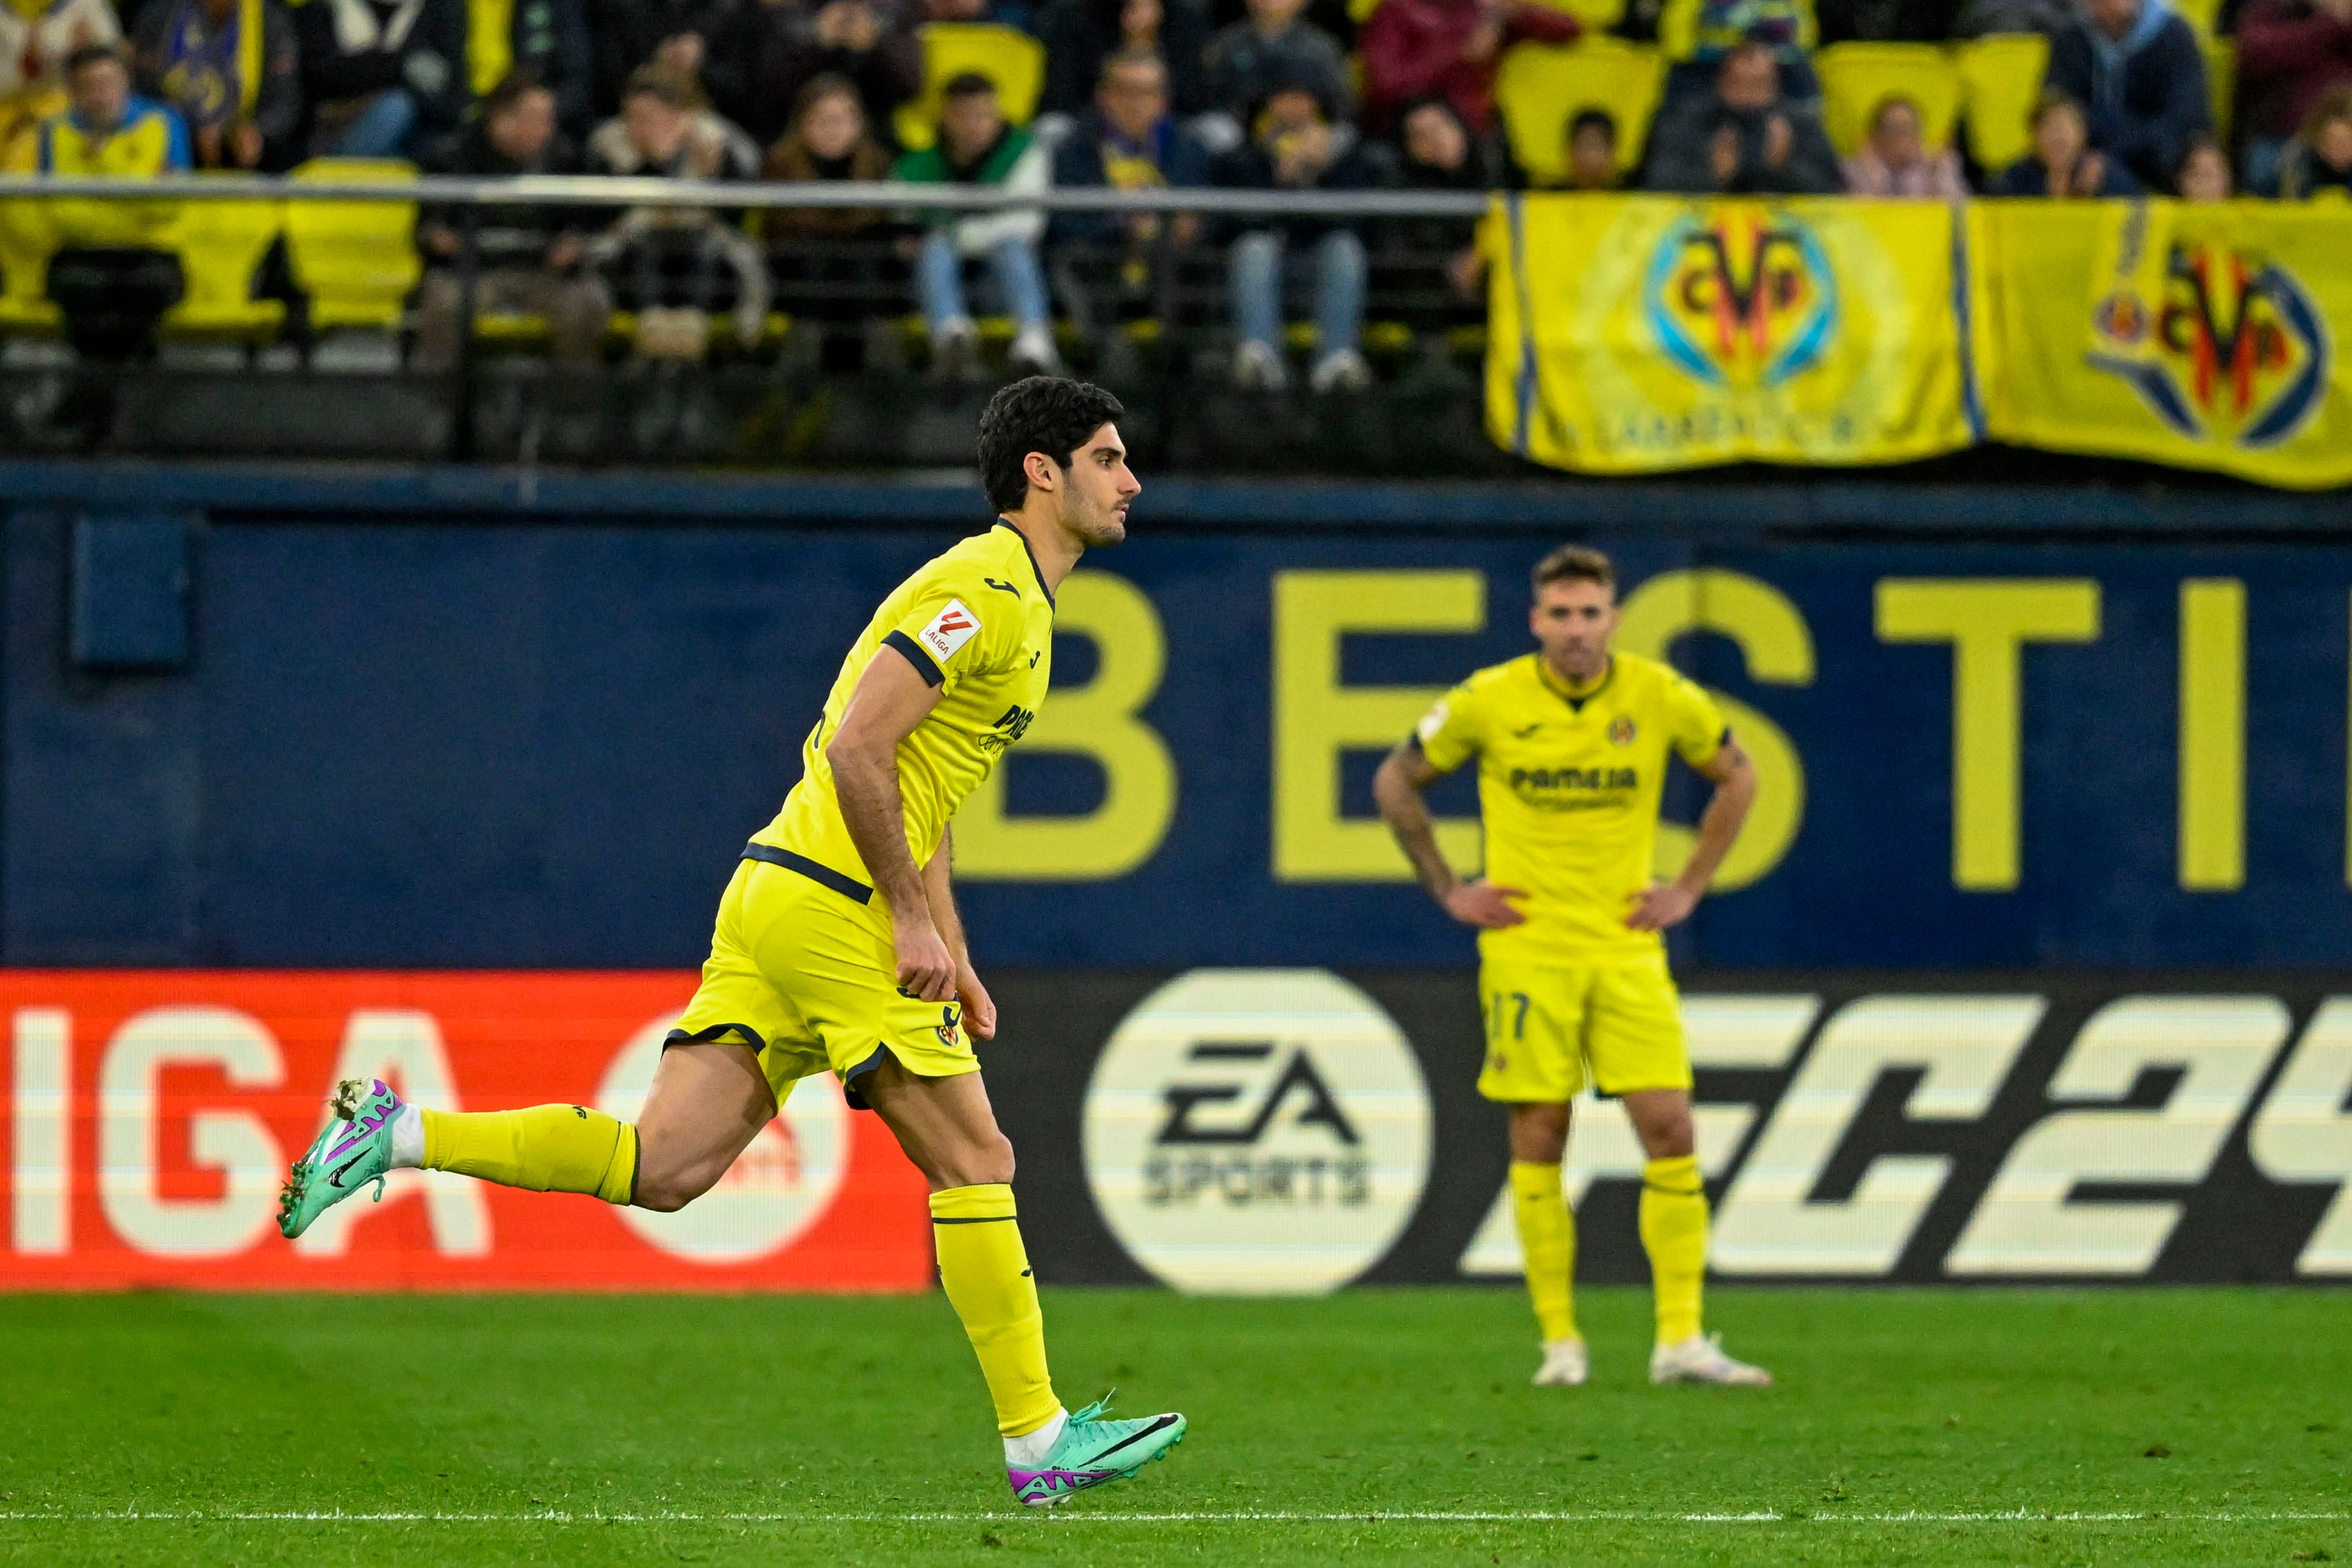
[2198, 335]
[1630, 334]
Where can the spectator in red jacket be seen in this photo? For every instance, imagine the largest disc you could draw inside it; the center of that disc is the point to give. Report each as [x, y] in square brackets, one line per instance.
[2289, 53]
[1448, 50]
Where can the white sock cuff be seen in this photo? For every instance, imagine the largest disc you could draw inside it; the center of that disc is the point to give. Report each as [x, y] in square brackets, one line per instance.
[408, 1139]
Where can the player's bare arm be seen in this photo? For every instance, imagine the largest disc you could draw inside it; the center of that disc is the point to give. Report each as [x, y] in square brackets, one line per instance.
[938, 886]
[891, 699]
[1397, 789]
[1670, 904]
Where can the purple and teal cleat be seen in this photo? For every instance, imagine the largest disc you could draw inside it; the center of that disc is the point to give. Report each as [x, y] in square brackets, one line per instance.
[354, 1150]
[1092, 1452]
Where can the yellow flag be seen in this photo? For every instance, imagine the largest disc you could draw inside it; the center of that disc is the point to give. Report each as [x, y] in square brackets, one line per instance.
[2199, 336]
[1629, 334]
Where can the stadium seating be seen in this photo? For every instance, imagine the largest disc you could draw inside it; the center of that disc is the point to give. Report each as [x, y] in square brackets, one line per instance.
[1857, 78]
[1599, 17]
[27, 239]
[1541, 86]
[221, 244]
[2002, 75]
[1008, 57]
[356, 260]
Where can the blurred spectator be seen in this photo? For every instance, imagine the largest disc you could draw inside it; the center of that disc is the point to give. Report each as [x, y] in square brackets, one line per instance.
[530, 256]
[111, 277]
[2204, 173]
[1438, 152]
[676, 266]
[241, 105]
[1129, 141]
[2290, 52]
[774, 49]
[108, 129]
[2139, 72]
[1724, 27]
[1448, 48]
[546, 38]
[1080, 34]
[829, 139]
[2062, 162]
[1592, 140]
[2319, 160]
[381, 76]
[1894, 160]
[34, 40]
[678, 35]
[1273, 48]
[976, 146]
[1744, 136]
[1297, 146]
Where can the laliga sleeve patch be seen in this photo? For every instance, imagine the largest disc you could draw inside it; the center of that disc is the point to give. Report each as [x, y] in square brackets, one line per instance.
[949, 629]
[1431, 722]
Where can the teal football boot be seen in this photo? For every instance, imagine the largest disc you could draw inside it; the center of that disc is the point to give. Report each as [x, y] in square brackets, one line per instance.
[1092, 1452]
[354, 1150]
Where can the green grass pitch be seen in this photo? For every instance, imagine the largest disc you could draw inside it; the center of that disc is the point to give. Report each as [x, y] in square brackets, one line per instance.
[1378, 1426]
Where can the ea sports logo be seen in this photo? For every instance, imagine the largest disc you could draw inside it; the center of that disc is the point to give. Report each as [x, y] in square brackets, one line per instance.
[1257, 1132]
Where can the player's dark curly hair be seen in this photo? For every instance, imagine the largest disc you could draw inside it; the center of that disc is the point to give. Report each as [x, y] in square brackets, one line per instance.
[1052, 414]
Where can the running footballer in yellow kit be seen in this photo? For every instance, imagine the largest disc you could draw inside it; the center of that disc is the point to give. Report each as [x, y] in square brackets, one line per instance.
[1571, 744]
[838, 947]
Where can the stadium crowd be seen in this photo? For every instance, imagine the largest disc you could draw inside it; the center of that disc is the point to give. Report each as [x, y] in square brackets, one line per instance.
[1742, 97]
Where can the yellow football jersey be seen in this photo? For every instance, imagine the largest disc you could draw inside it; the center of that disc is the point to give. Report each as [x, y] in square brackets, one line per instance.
[976, 622]
[1568, 786]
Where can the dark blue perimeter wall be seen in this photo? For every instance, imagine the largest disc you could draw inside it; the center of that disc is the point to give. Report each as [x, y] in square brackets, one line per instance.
[453, 717]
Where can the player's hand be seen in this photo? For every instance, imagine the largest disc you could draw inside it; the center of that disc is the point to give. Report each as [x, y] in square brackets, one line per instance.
[926, 970]
[1658, 908]
[1485, 904]
[979, 1006]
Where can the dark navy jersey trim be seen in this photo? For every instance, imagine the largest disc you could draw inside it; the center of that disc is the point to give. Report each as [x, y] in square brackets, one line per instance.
[856, 1101]
[925, 665]
[1033, 562]
[824, 875]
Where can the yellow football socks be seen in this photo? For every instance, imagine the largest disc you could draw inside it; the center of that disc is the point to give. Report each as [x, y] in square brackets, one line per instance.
[984, 1269]
[1674, 1233]
[1547, 1242]
[546, 1148]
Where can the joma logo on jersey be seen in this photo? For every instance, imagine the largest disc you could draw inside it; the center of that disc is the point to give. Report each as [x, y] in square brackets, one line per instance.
[1747, 298]
[1296, 1101]
[2236, 350]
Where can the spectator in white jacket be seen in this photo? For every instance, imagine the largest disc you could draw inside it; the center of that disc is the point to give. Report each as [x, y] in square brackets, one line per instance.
[977, 147]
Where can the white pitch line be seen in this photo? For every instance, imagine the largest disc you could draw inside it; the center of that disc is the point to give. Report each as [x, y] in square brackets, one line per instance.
[559, 1516]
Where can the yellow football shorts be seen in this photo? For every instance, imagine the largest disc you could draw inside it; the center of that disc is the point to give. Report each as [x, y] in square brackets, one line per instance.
[1551, 1031]
[806, 976]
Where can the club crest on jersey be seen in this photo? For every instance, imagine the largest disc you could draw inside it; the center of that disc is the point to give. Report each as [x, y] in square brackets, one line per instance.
[949, 629]
[1622, 731]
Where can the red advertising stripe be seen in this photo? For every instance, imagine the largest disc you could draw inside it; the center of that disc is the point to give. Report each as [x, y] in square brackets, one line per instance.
[146, 1118]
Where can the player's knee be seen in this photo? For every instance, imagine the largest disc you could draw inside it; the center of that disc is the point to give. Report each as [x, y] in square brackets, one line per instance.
[984, 1162]
[666, 1188]
[1669, 1138]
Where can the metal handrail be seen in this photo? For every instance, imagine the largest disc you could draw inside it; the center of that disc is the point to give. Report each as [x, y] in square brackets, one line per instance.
[620, 190]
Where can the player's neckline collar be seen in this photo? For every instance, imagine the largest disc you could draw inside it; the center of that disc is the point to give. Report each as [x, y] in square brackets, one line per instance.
[1034, 566]
[1575, 700]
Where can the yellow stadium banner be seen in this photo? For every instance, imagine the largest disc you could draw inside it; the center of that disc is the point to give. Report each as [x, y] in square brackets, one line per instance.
[1630, 334]
[2201, 337]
